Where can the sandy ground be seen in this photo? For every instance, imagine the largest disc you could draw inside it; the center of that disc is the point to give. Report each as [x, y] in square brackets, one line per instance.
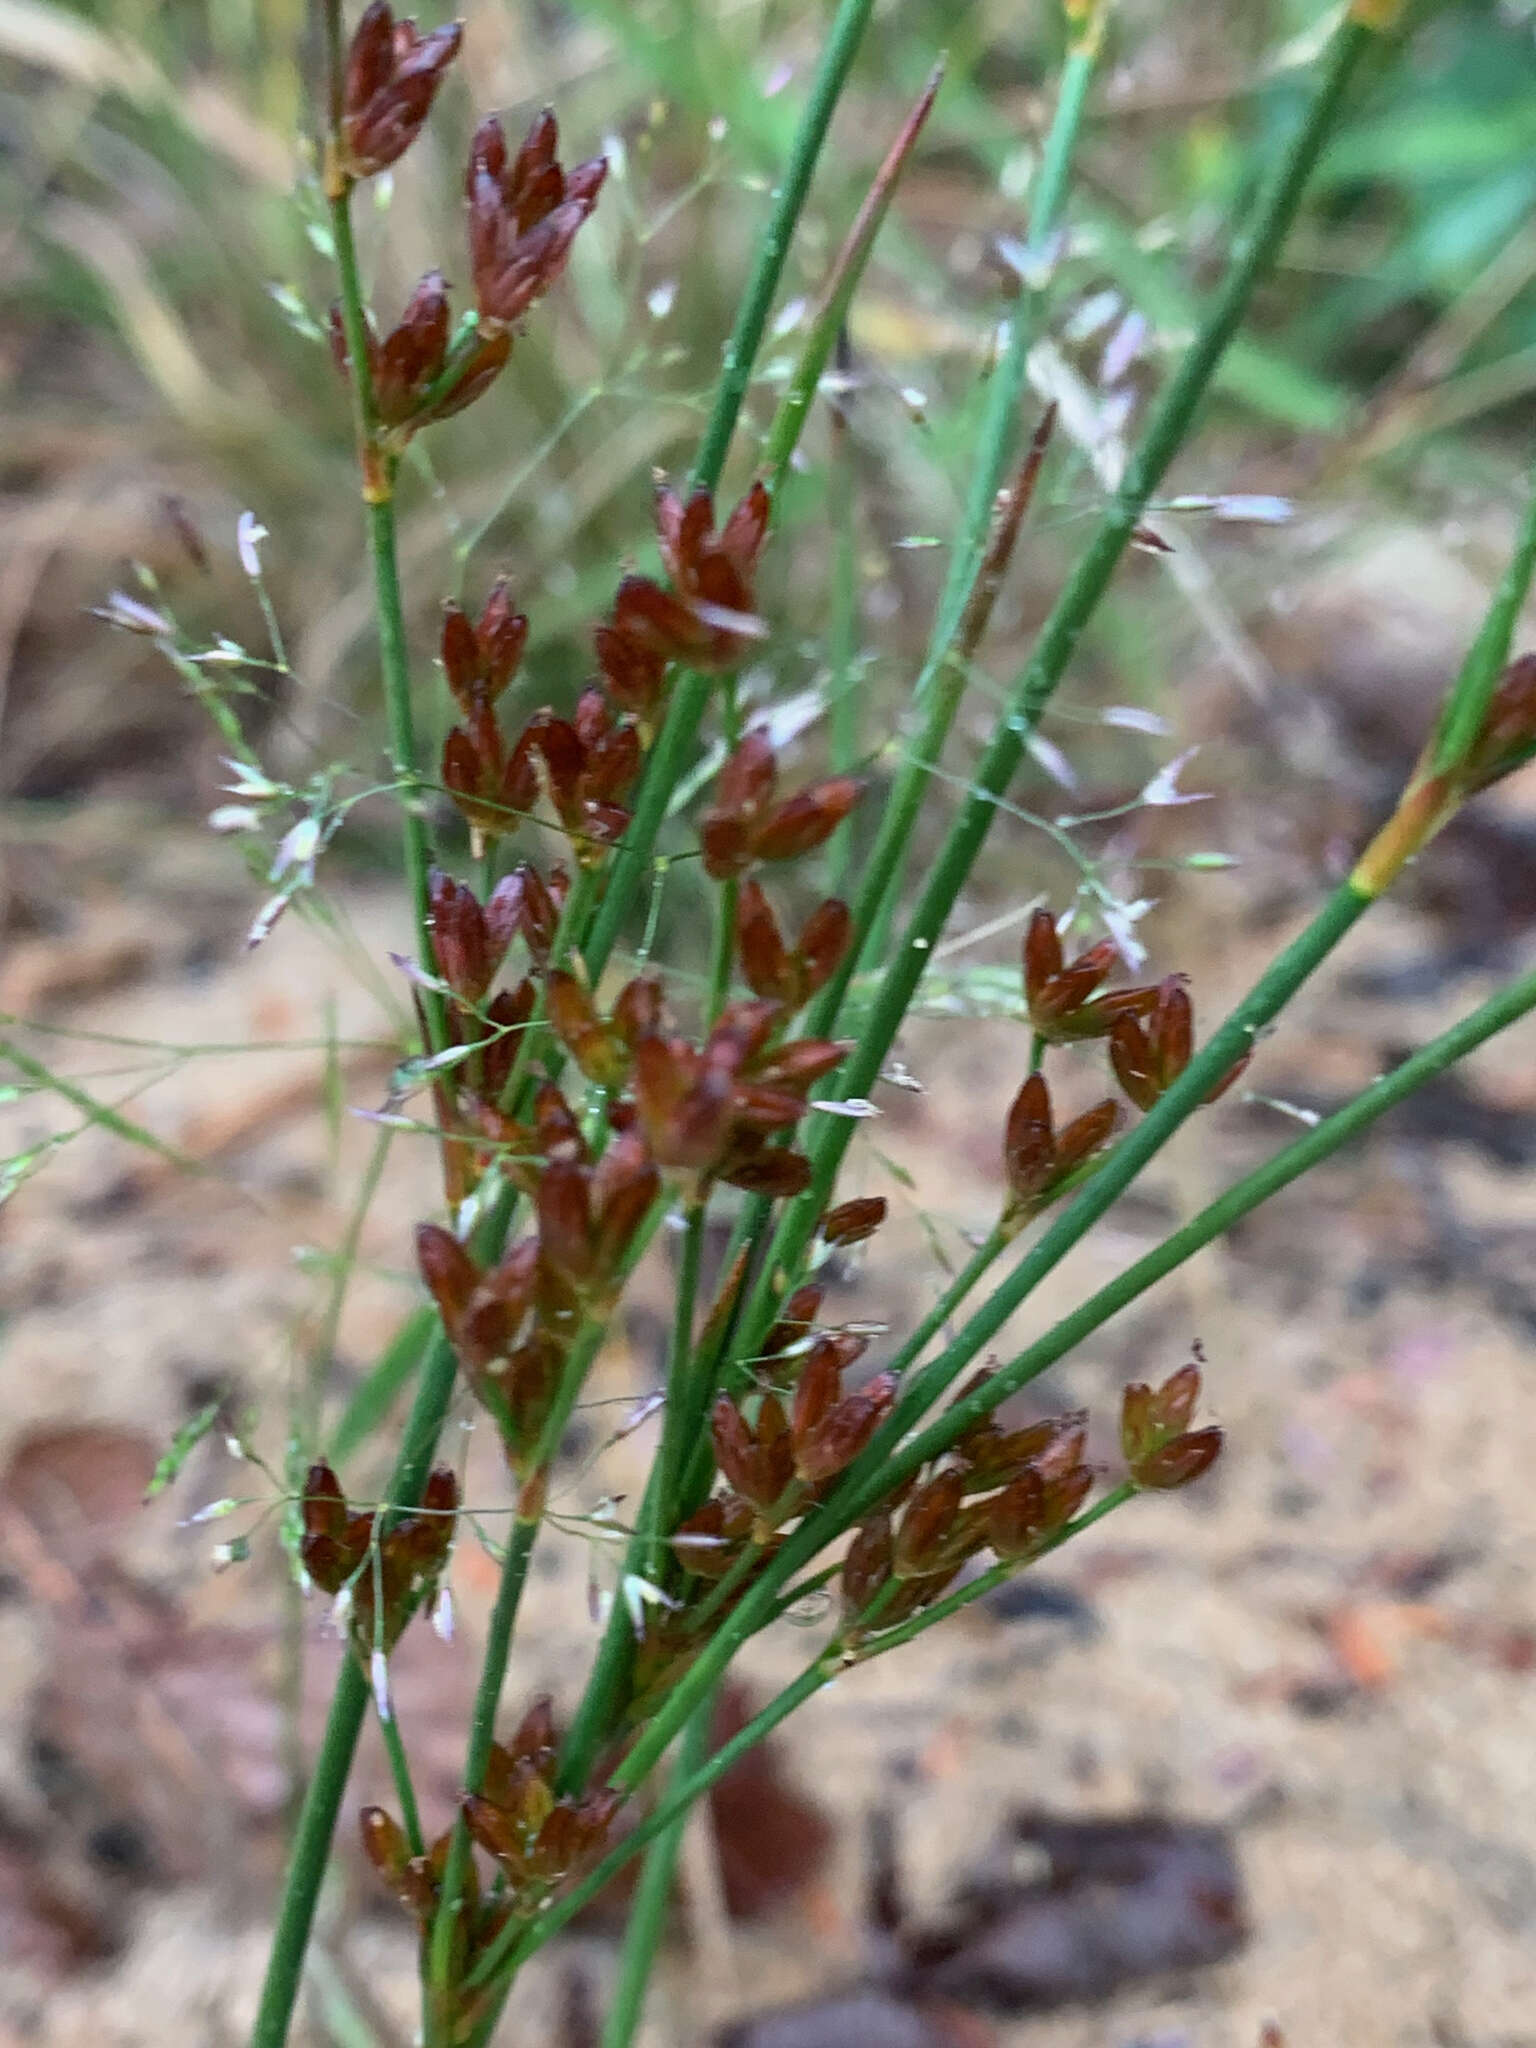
[1327, 1649]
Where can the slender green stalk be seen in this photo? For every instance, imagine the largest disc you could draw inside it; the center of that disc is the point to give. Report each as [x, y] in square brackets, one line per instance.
[510, 1953]
[818, 1673]
[1219, 1216]
[940, 684]
[405, 1790]
[1169, 426]
[653, 1894]
[837, 296]
[498, 1644]
[323, 1351]
[94, 1110]
[383, 554]
[690, 692]
[333, 1763]
[988, 1581]
[374, 1396]
[309, 1855]
[1468, 703]
[482, 1733]
[842, 633]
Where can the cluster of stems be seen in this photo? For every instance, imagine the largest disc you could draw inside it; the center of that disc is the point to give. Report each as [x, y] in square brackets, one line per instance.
[577, 1108]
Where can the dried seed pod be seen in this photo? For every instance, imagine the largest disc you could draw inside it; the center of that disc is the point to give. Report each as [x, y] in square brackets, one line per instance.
[1158, 1445]
[709, 1541]
[1015, 1518]
[385, 1846]
[524, 214]
[391, 79]
[1061, 1000]
[935, 1532]
[757, 1459]
[461, 942]
[832, 1443]
[868, 1565]
[1037, 1160]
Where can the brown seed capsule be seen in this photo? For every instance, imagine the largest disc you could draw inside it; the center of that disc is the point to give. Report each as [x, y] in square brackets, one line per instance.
[867, 1566]
[1061, 999]
[1037, 1160]
[1155, 1438]
[1182, 1460]
[447, 1268]
[523, 215]
[1015, 1518]
[808, 819]
[709, 1542]
[766, 1170]
[756, 1460]
[837, 1439]
[933, 1529]
[392, 76]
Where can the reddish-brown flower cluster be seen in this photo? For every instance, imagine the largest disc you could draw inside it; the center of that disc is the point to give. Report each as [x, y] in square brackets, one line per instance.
[778, 1460]
[850, 1222]
[748, 823]
[1151, 1040]
[781, 973]
[585, 765]
[524, 213]
[1008, 1491]
[512, 1325]
[603, 1048]
[538, 1842]
[392, 76]
[1038, 1160]
[1159, 1447]
[1149, 1054]
[1063, 1001]
[413, 381]
[706, 618]
[470, 943]
[386, 1579]
[711, 1110]
[491, 784]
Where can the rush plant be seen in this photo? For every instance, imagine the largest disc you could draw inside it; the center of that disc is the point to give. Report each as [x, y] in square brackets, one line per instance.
[582, 1095]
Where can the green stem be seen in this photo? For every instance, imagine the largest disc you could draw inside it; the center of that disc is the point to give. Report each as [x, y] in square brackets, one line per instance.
[482, 1733]
[405, 1791]
[372, 1398]
[333, 1763]
[1467, 707]
[653, 1894]
[308, 1857]
[988, 1581]
[1169, 426]
[510, 1951]
[940, 684]
[687, 1397]
[1219, 1216]
[724, 957]
[383, 553]
[842, 634]
[690, 691]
